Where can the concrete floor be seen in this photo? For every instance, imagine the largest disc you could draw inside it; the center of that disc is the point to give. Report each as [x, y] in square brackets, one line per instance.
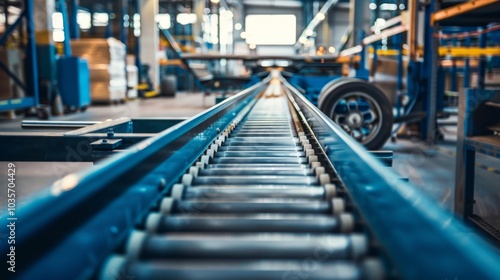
[432, 170]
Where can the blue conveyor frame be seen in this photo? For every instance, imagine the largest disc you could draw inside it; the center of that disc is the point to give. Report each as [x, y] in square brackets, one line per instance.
[70, 228]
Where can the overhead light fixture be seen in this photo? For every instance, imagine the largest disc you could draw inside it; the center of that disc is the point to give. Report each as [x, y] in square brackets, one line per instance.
[252, 46]
[309, 32]
[388, 7]
[372, 6]
[320, 16]
[331, 49]
[186, 18]
[243, 35]
[163, 21]
[302, 40]
[238, 26]
[215, 1]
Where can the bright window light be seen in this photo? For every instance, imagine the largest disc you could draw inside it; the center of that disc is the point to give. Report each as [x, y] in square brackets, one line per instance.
[83, 19]
[271, 29]
[186, 18]
[58, 35]
[57, 21]
[163, 21]
[388, 7]
[100, 19]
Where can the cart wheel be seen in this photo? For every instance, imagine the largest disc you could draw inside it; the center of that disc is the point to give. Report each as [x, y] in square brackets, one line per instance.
[168, 85]
[361, 109]
[42, 113]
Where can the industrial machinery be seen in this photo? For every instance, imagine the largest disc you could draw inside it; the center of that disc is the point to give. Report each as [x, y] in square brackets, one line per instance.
[362, 109]
[261, 186]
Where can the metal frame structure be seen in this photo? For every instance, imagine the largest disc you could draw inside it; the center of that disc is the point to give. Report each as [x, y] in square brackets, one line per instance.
[475, 136]
[31, 87]
[86, 215]
[85, 142]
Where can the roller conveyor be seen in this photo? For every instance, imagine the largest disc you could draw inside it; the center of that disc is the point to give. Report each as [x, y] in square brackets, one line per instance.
[262, 186]
[271, 205]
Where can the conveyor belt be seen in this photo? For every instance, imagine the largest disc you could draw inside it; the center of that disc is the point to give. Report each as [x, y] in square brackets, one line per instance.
[257, 205]
[261, 186]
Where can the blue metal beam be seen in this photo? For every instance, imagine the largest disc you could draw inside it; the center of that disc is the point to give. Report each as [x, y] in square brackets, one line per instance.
[31, 59]
[12, 28]
[73, 20]
[67, 38]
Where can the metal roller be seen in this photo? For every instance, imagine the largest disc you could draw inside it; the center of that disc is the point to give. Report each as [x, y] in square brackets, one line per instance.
[258, 191]
[256, 180]
[144, 246]
[310, 269]
[302, 223]
[292, 171]
[335, 206]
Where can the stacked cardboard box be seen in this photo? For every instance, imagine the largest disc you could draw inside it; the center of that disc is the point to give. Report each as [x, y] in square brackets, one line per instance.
[106, 58]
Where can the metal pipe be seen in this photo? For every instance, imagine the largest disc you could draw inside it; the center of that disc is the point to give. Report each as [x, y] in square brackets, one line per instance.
[32, 124]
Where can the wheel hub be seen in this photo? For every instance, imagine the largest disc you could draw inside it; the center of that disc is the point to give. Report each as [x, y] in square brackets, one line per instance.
[355, 120]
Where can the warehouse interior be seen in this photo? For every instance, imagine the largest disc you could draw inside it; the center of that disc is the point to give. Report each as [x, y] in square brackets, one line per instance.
[250, 139]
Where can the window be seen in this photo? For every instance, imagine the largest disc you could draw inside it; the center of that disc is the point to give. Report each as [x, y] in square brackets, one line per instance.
[271, 29]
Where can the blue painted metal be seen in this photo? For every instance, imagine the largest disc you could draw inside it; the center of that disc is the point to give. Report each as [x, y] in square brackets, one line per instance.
[399, 84]
[137, 47]
[12, 27]
[31, 86]
[467, 72]
[123, 28]
[362, 72]
[67, 38]
[91, 211]
[421, 239]
[430, 50]
[12, 75]
[17, 103]
[31, 56]
[74, 29]
[47, 66]
[312, 85]
[481, 68]
[74, 81]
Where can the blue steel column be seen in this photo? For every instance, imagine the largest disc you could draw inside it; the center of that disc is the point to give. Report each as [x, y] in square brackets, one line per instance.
[137, 46]
[430, 59]
[32, 77]
[358, 14]
[400, 74]
[467, 66]
[481, 67]
[123, 28]
[109, 28]
[67, 39]
[73, 22]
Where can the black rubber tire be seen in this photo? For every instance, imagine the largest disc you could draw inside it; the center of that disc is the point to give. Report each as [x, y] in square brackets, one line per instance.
[168, 85]
[42, 113]
[339, 88]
